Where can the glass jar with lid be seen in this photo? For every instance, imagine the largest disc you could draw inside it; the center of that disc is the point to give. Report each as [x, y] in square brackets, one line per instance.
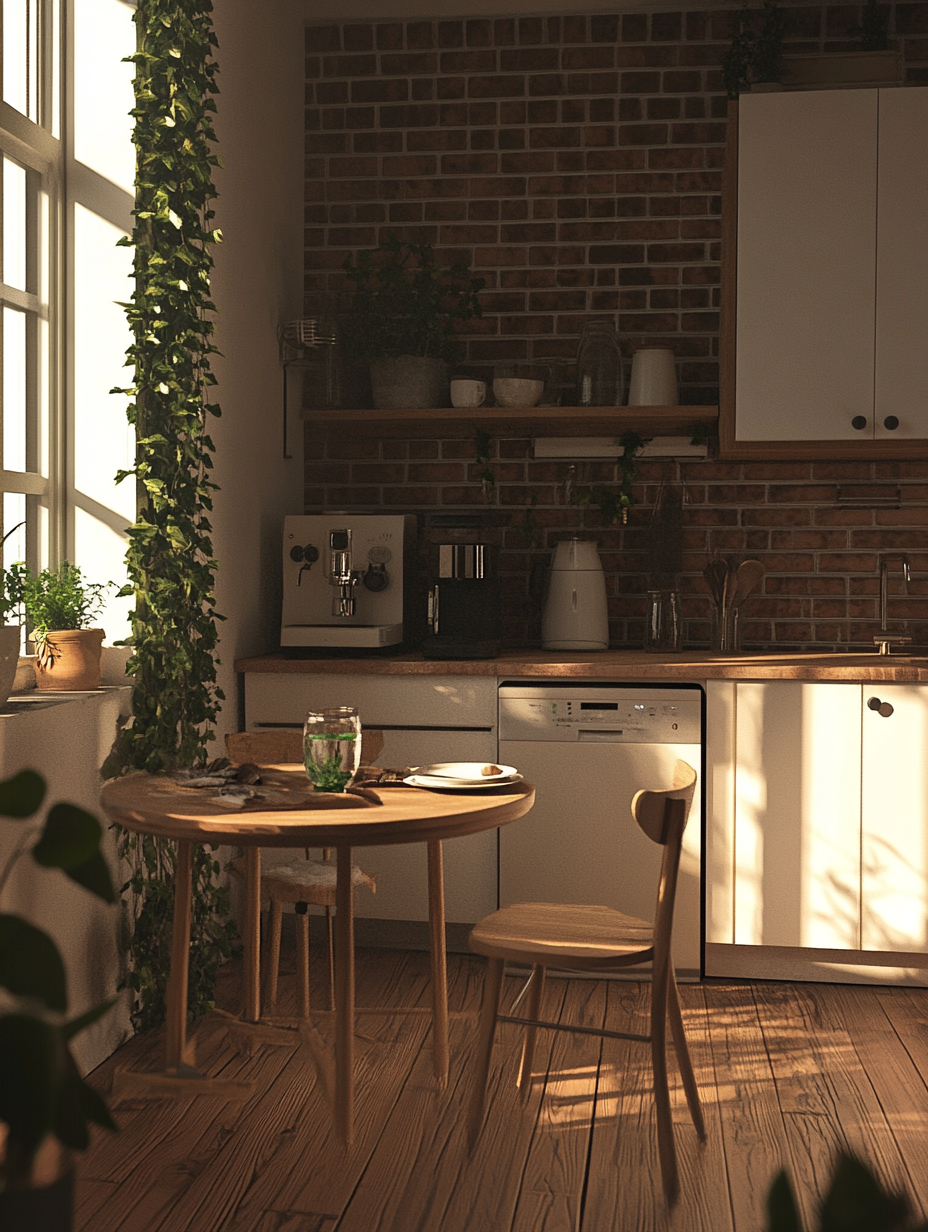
[599, 366]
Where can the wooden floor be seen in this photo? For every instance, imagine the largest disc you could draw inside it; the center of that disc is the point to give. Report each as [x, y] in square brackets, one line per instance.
[787, 1073]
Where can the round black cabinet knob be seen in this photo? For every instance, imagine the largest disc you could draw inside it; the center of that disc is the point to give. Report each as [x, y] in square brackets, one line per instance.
[891, 422]
[859, 422]
[376, 578]
[883, 709]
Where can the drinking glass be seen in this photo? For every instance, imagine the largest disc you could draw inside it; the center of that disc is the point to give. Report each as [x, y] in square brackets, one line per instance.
[332, 747]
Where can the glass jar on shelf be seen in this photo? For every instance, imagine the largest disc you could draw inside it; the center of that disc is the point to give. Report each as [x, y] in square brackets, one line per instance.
[599, 366]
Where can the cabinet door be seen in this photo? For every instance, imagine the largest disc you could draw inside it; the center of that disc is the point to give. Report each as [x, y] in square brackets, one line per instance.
[807, 173]
[797, 815]
[894, 846]
[902, 265]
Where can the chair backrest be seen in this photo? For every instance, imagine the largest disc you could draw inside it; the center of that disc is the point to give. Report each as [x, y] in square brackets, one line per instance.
[663, 815]
[285, 744]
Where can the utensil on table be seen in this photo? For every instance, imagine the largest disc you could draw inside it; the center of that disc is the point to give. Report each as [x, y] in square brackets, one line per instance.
[332, 747]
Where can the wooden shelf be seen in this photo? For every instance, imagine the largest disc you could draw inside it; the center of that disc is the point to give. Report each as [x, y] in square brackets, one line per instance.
[514, 421]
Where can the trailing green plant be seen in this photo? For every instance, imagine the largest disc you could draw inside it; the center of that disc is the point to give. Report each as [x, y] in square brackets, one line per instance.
[151, 890]
[873, 28]
[614, 501]
[756, 50]
[55, 598]
[530, 526]
[405, 303]
[482, 457]
[8, 601]
[170, 560]
[41, 1091]
[855, 1202]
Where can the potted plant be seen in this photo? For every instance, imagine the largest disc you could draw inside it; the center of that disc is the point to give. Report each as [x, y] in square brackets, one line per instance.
[403, 320]
[10, 635]
[61, 606]
[754, 60]
[44, 1103]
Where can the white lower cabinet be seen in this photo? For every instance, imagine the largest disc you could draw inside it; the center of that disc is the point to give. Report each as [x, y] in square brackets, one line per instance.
[424, 719]
[817, 849]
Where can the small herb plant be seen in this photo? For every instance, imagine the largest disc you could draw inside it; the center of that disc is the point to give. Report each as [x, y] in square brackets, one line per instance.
[756, 50]
[405, 303]
[55, 598]
[41, 1092]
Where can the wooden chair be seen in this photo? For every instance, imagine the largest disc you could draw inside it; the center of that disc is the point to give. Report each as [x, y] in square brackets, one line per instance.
[585, 938]
[301, 882]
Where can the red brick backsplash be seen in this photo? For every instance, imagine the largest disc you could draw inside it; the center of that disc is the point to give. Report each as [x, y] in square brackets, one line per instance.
[575, 163]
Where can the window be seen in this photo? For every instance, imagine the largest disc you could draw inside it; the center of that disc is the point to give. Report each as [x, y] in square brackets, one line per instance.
[67, 196]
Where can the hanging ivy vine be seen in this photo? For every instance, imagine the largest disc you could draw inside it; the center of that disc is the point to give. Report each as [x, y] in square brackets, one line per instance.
[170, 557]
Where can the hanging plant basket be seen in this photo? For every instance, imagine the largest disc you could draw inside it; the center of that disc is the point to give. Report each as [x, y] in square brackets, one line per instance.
[68, 661]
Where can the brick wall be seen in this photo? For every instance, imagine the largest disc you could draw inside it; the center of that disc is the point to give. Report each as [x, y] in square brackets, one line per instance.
[575, 163]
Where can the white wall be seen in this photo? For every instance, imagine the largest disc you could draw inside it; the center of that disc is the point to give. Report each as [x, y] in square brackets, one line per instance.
[257, 284]
[66, 739]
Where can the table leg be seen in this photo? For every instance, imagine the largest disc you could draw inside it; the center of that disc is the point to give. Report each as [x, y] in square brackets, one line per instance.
[439, 964]
[175, 1038]
[344, 997]
[252, 938]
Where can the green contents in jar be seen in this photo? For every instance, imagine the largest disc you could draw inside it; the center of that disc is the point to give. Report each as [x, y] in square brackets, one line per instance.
[331, 759]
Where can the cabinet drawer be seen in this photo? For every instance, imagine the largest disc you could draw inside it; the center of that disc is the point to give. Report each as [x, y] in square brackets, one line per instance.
[384, 701]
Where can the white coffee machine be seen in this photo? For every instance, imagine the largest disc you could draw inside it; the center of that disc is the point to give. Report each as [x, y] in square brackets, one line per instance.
[348, 580]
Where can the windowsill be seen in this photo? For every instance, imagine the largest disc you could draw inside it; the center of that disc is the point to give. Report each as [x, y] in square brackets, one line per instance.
[113, 666]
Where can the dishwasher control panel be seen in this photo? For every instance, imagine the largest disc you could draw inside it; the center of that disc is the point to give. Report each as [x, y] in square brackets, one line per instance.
[618, 714]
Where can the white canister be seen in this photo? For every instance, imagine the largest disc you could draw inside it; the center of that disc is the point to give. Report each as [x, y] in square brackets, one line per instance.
[575, 615]
[654, 378]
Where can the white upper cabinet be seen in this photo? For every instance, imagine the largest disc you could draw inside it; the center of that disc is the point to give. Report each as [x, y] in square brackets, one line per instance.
[826, 311]
[902, 265]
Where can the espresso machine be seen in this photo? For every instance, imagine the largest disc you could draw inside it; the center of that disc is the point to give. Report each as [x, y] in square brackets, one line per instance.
[464, 604]
[348, 580]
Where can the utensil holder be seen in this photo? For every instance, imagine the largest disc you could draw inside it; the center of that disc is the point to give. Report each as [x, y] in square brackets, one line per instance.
[726, 630]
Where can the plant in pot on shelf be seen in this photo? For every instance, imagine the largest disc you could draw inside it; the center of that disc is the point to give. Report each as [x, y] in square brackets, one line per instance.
[403, 318]
[45, 1105]
[754, 59]
[10, 635]
[61, 606]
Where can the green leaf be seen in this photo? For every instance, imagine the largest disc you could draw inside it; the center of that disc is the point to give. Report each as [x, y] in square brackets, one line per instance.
[22, 795]
[76, 1103]
[30, 965]
[30, 1065]
[71, 836]
[94, 875]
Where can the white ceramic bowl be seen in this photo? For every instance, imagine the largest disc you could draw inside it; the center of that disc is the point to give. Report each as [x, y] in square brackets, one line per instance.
[517, 391]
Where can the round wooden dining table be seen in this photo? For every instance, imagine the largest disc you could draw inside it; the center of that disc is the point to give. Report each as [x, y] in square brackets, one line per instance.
[291, 815]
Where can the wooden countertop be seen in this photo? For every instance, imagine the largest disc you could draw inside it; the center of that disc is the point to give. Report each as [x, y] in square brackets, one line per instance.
[614, 665]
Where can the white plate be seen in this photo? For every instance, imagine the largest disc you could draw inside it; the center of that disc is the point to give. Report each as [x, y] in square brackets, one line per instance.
[465, 772]
[435, 780]
[437, 784]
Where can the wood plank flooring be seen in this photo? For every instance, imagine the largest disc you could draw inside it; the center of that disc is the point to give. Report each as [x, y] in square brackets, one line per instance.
[787, 1074]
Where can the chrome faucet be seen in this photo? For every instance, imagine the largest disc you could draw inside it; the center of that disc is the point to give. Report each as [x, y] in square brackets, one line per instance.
[885, 639]
[341, 574]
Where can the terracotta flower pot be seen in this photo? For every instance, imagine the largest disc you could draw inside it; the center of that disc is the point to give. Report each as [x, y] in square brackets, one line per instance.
[69, 661]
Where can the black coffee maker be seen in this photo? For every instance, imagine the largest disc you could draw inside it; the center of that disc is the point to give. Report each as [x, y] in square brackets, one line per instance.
[464, 604]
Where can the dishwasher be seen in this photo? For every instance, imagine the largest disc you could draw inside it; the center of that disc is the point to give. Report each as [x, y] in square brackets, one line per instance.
[588, 748]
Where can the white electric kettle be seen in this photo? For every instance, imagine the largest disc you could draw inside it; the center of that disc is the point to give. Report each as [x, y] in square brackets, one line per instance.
[574, 616]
